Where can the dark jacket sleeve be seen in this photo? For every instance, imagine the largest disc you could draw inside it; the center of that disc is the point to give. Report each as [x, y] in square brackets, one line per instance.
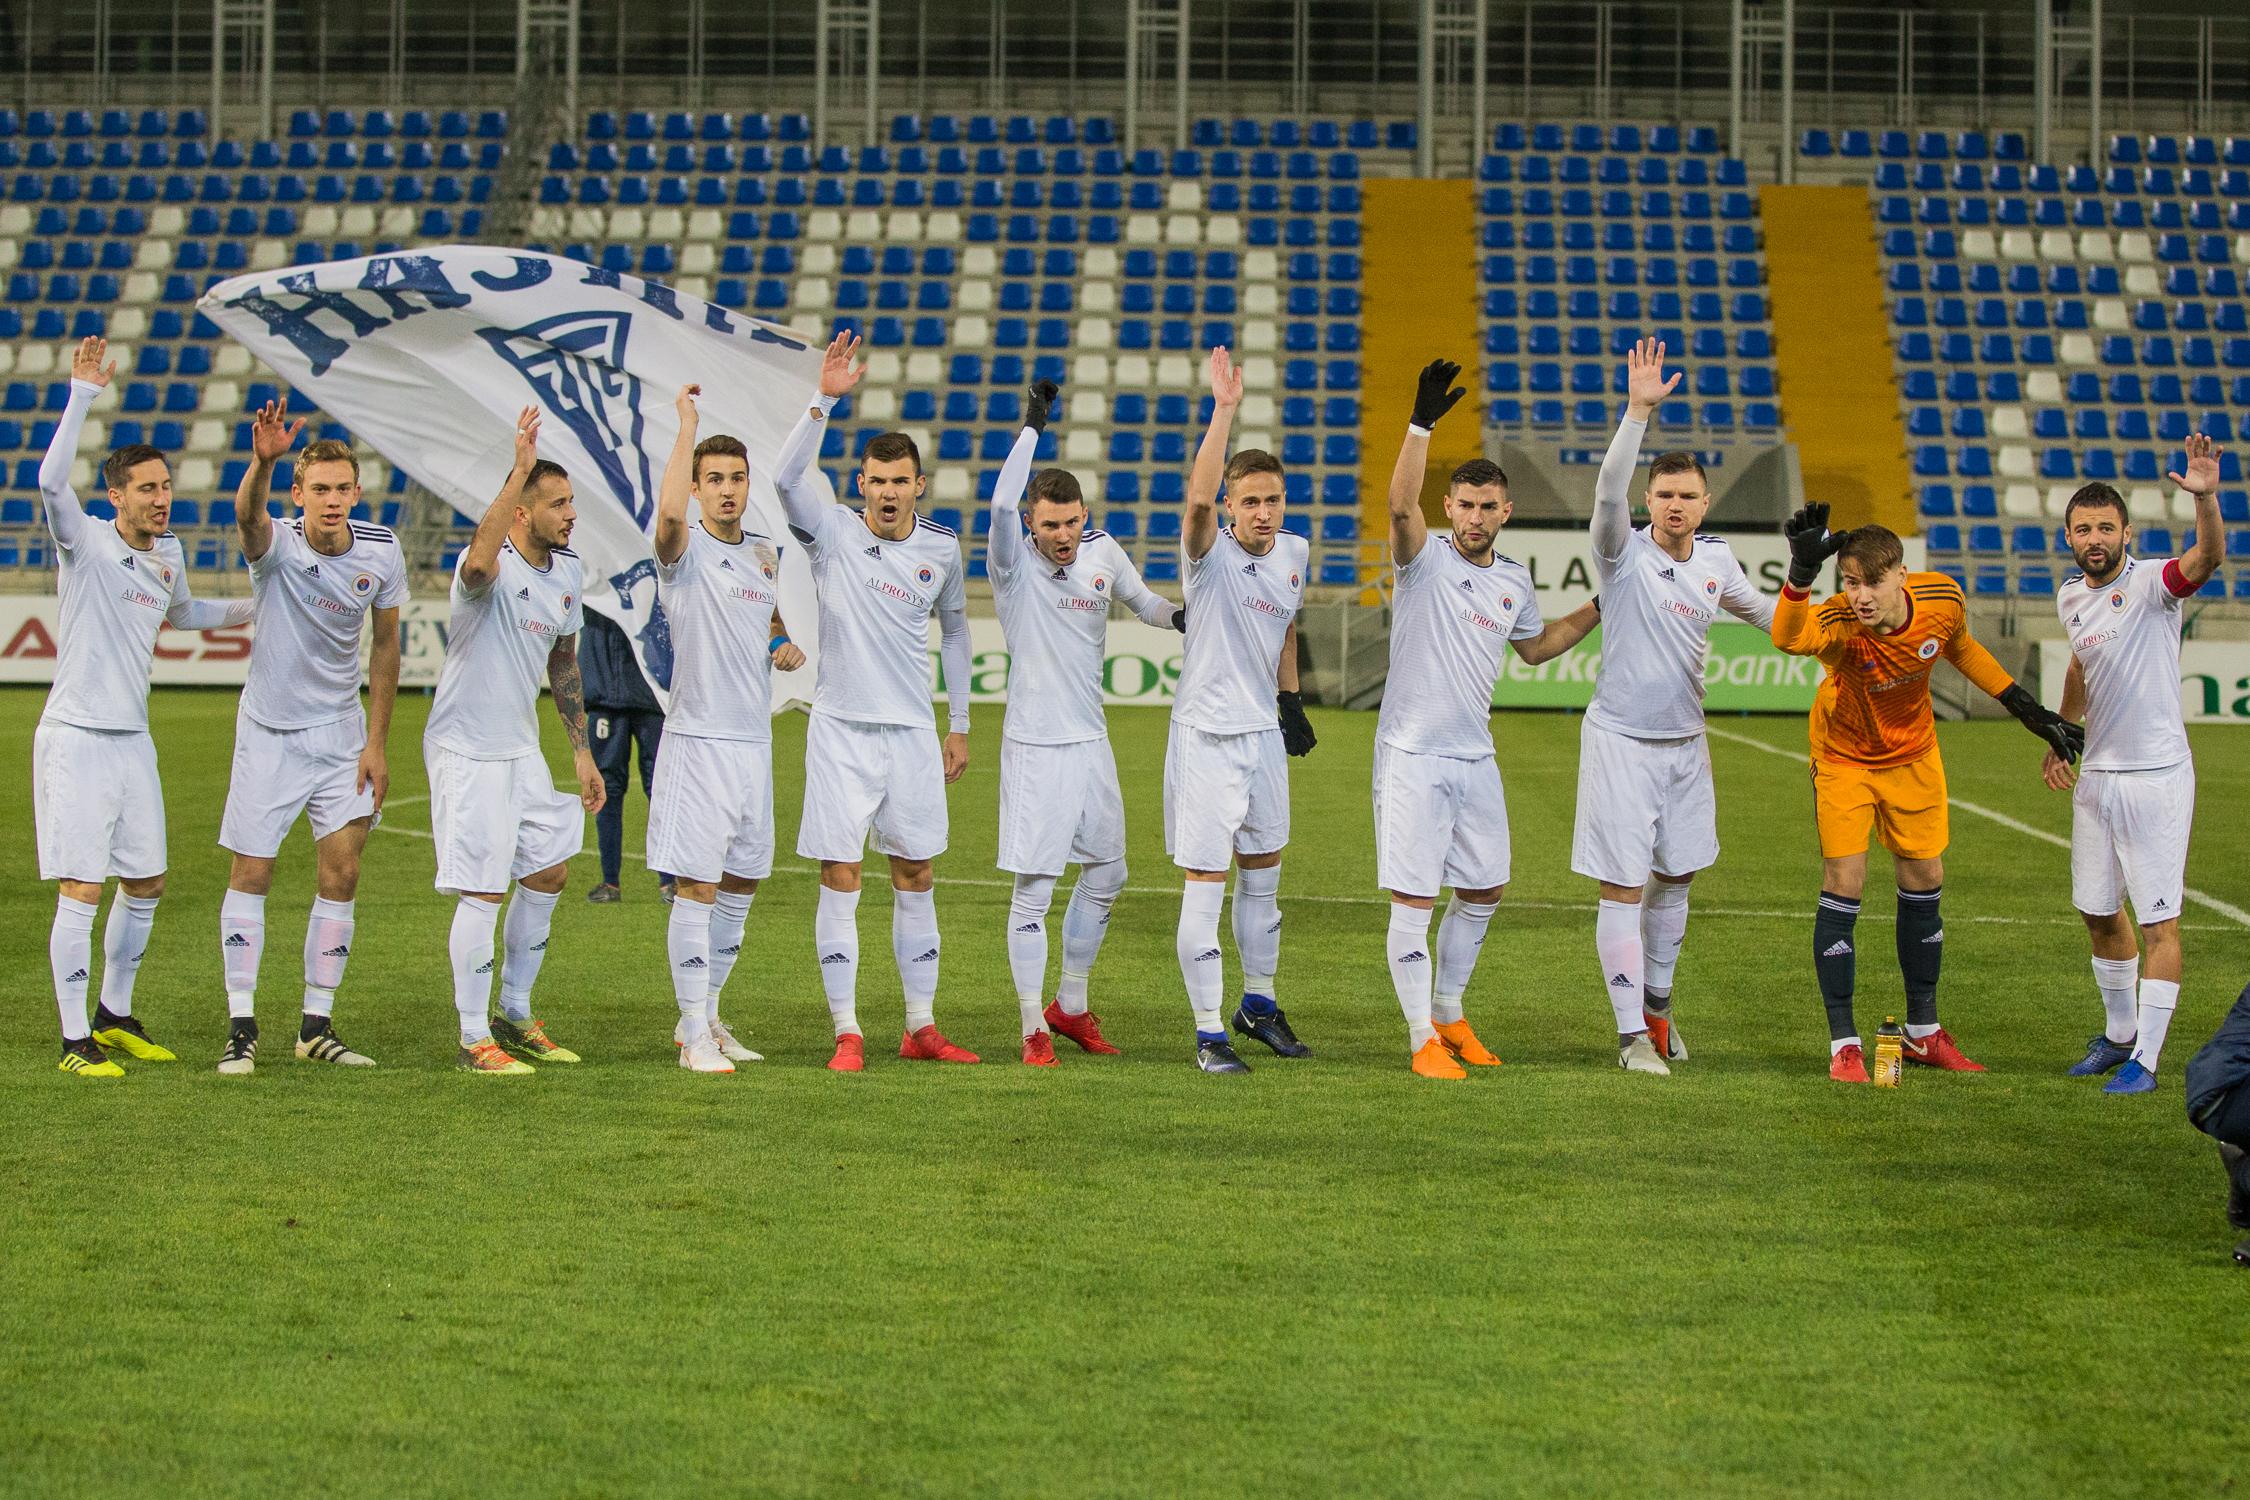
[2224, 1063]
[605, 662]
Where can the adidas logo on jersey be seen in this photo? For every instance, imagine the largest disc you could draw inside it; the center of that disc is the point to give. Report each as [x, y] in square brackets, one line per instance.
[1667, 575]
[524, 594]
[341, 950]
[727, 563]
[928, 957]
[874, 552]
[312, 570]
[237, 940]
[1250, 568]
[128, 562]
[1468, 587]
[694, 963]
[1619, 981]
[1838, 949]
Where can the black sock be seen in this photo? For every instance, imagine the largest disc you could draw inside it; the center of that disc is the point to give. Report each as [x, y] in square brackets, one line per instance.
[311, 1026]
[242, 1023]
[105, 1018]
[1656, 1002]
[1835, 961]
[1921, 950]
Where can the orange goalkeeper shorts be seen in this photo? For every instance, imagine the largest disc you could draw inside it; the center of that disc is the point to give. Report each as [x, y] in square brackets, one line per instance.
[1903, 805]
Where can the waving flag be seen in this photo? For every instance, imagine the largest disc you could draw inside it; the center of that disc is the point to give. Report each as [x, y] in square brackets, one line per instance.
[428, 355]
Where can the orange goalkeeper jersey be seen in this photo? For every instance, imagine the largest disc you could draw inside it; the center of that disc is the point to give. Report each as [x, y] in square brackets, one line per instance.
[1873, 708]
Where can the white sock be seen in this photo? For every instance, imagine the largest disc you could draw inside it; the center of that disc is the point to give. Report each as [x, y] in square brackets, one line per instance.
[1408, 944]
[1257, 928]
[1085, 924]
[1840, 1043]
[124, 941]
[328, 946]
[70, 954]
[2118, 979]
[1027, 946]
[1197, 943]
[687, 943]
[530, 914]
[2158, 999]
[1663, 931]
[242, 942]
[1923, 1029]
[836, 941]
[730, 914]
[1617, 943]
[1460, 937]
[471, 951]
[914, 948]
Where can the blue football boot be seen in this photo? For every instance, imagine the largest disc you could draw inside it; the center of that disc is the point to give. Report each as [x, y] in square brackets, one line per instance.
[2131, 1079]
[2102, 1054]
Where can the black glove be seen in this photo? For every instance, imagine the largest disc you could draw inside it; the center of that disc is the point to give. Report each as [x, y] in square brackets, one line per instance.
[1811, 544]
[1179, 619]
[2066, 739]
[1296, 730]
[1039, 404]
[1432, 399]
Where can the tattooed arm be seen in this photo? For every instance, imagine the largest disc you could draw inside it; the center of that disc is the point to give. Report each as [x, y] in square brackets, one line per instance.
[570, 707]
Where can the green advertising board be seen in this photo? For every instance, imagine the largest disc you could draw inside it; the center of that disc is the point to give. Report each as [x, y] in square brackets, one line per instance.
[1743, 673]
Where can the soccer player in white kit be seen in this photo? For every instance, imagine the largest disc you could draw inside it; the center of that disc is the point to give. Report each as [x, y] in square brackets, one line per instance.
[1647, 812]
[1059, 799]
[710, 816]
[1235, 713]
[494, 811]
[873, 763]
[1441, 815]
[302, 744]
[2134, 796]
[97, 806]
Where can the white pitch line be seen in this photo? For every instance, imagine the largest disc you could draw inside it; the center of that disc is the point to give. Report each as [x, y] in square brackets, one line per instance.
[2225, 909]
[1294, 897]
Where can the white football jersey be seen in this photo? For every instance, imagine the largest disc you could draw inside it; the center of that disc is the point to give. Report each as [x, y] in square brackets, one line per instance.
[876, 599]
[304, 661]
[1451, 622]
[719, 600]
[1057, 624]
[1239, 609]
[114, 600]
[2126, 636]
[1656, 633]
[496, 650]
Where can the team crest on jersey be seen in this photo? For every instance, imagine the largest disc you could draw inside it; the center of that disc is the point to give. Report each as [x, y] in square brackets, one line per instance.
[1100, 583]
[1711, 587]
[2117, 599]
[1926, 650]
[165, 574]
[1293, 581]
[575, 364]
[566, 602]
[1507, 601]
[362, 584]
[769, 561]
[923, 576]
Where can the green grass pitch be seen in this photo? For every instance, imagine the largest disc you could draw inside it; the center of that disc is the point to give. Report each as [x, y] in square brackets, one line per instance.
[1122, 1277]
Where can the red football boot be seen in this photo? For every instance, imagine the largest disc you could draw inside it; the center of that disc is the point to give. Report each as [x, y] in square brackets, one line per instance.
[1660, 1034]
[929, 1045]
[1848, 1066]
[1038, 1050]
[1938, 1050]
[851, 1054]
[1085, 1029]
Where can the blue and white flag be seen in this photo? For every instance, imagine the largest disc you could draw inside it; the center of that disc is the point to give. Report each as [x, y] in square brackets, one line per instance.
[427, 356]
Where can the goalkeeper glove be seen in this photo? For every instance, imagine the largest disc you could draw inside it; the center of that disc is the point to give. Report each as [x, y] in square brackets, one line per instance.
[1179, 619]
[1039, 404]
[1296, 730]
[1432, 398]
[1811, 544]
[2066, 739]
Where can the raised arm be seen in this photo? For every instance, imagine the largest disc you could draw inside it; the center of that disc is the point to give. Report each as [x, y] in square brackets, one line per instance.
[272, 435]
[90, 371]
[1645, 390]
[1199, 526]
[382, 693]
[1558, 636]
[669, 540]
[1005, 544]
[2201, 480]
[1797, 627]
[1434, 395]
[480, 564]
[800, 503]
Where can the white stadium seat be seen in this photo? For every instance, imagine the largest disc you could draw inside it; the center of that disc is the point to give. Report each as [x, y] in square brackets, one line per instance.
[399, 222]
[2009, 422]
[2076, 349]
[2110, 315]
[1133, 372]
[705, 224]
[1087, 409]
[231, 361]
[1142, 229]
[971, 332]
[140, 287]
[1095, 333]
[973, 295]
[1100, 263]
[877, 405]
[978, 260]
[698, 258]
[904, 226]
[1082, 446]
[128, 322]
[268, 255]
[951, 484]
[882, 367]
[924, 369]
[2043, 387]
[1175, 372]
[2020, 501]
[197, 476]
[2058, 498]
[2016, 244]
[666, 224]
[2145, 504]
[864, 227]
[1089, 371]
[1222, 229]
[1257, 409]
[2054, 245]
[1183, 229]
[153, 255]
[817, 260]
[2141, 281]
[944, 227]
[824, 224]
[1097, 297]
[2016, 463]
[2134, 245]
[37, 359]
[813, 293]
[1977, 244]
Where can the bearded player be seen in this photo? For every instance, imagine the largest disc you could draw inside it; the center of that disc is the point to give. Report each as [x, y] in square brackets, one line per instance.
[97, 806]
[1441, 815]
[1059, 798]
[303, 747]
[1647, 809]
[1875, 765]
[2134, 796]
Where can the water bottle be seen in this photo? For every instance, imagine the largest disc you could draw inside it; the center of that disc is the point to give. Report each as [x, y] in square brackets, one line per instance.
[1890, 1053]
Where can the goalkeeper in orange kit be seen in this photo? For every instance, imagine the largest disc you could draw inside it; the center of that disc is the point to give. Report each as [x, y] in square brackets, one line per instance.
[1875, 765]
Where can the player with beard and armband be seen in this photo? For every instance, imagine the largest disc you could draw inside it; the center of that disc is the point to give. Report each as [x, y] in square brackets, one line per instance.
[1647, 810]
[1875, 765]
[1441, 814]
[495, 815]
[710, 822]
[2133, 800]
[1236, 713]
[873, 762]
[302, 744]
[1059, 798]
[97, 806]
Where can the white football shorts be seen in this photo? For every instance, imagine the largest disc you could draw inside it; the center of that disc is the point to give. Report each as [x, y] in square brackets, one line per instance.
[887, 780]
[279, 773]
[97, 807]
[1059, 806]
[1644, 807]
[711, 810]
[2129, 840]
[1440, 821]
[1224, 794]
[496, 821]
